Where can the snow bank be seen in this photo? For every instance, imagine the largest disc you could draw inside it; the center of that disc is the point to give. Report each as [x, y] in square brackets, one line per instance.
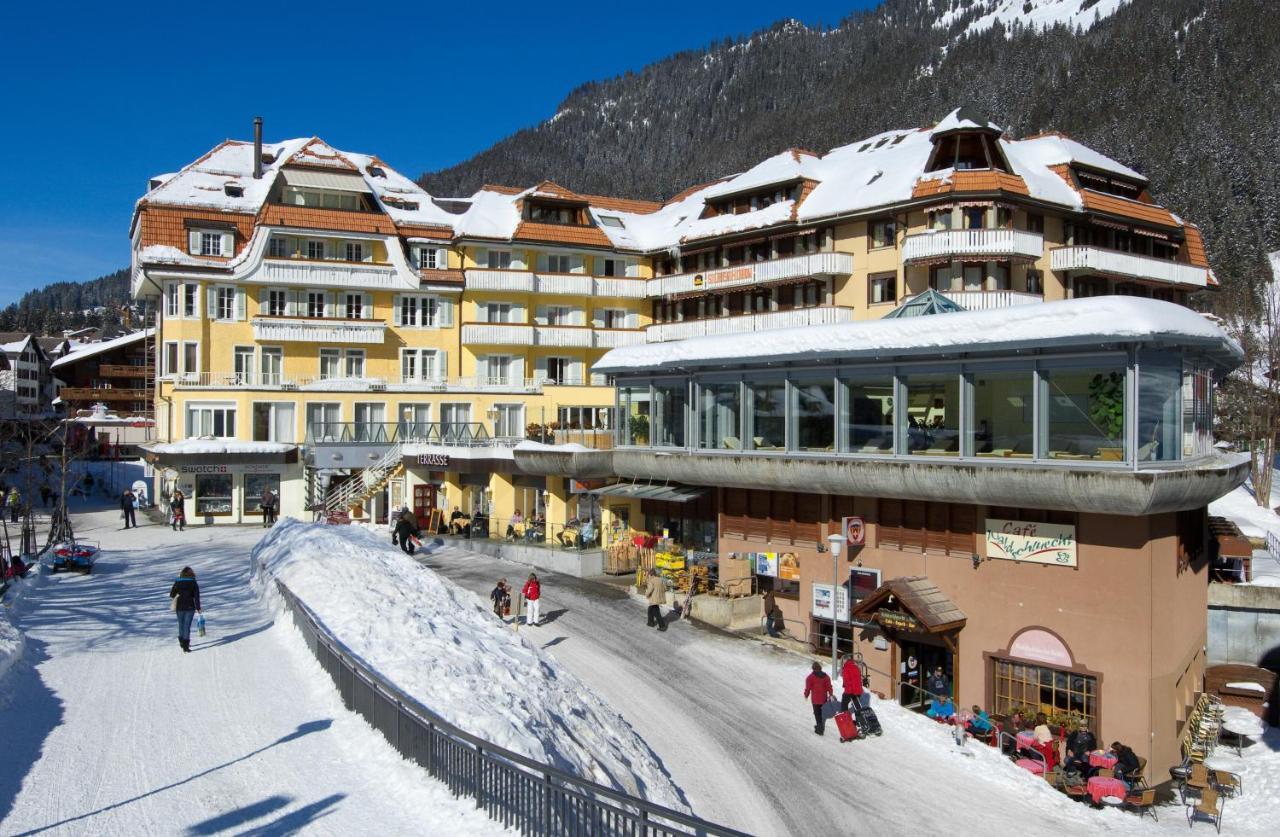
[11, 642]
[438, 643]
[1240, 507]
[218, 446]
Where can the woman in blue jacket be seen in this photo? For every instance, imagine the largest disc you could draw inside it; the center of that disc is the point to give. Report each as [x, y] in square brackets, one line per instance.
[185, 598]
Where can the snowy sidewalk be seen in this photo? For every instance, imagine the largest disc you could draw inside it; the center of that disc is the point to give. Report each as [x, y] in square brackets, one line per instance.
[110, 729]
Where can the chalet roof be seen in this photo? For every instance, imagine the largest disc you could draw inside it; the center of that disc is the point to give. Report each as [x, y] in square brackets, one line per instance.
[91, 349]
[917, 596]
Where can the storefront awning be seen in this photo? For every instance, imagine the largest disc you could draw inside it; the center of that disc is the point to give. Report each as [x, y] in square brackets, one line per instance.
[911, 603]
[648, 491]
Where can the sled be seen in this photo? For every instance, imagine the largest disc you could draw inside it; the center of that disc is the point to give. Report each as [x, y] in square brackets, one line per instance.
[77, 557]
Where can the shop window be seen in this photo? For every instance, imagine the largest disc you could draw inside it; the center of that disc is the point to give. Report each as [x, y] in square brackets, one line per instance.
[932, 413]
[1003, 415]
[254, 485]
[1061, 695]
[635, 406]
[867, 423]
[769, 416]
[815, 414]
[719, 416]
[213, 494]
[1085, 410]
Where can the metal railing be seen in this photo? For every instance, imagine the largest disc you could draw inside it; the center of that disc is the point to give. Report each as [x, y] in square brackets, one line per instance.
[459, 434]
[365, 483]
[513, 790]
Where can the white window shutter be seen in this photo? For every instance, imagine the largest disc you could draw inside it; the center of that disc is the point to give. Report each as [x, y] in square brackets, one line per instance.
[228, 244]
[517, 260]
[633, 319]
[397, 317]
[597, 379]
[442, 258]
[366, 307]
[579, 317]
[263, 295]
[540, 315]
[193, 242]
[597, 317]
[330, 305]
[575, 371]
[517, 313]
[291, 303]
[240, 303]
[575, 264]
[442, 364]
[633, 267]
[444, 312]
[540, 369]
[482, 369]
[481, 257]
[211, 296]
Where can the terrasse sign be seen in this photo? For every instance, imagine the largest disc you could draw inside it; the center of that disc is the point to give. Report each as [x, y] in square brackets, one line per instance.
[1037, 543]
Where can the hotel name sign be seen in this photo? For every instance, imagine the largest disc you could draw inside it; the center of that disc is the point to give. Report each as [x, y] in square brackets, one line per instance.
[1037, 543]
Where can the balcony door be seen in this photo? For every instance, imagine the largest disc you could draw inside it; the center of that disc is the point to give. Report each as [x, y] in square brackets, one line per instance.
[370, 424]
[509, 421]
[242, 360]
[454, 421]
[272, 366]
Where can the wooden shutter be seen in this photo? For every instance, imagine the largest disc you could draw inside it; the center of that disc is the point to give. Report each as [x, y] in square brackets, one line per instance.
[784, 510]
[444, 312]
[264, 294]
[758, 513]
[960, 537]
[211, 301]
[914, 519]
[889, 523]
[442, 364]
[193, 242]
[808, 514]
[397, 316]
[228, 244]
[936, 528]
[366, 307]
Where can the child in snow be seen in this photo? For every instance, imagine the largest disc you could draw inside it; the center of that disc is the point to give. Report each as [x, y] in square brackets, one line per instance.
[817, 688]
[501, 598]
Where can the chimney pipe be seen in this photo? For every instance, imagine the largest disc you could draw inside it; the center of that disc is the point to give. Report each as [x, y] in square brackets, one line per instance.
[257, 148]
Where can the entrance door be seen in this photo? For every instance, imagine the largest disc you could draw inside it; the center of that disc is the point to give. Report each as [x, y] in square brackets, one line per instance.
[927, 658]
[424, 501]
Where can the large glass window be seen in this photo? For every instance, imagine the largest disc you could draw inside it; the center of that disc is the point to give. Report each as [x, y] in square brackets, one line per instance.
[932, 413]
[273, 421]
[322, 422]
[1197, 419]
[815, 414]
[672, 404]
[769, 415]
[1085, 410]
[214, 421]
[1002, 414]
[1159, 407]
[719, 414]
[1040, 689]
[213, 494]
[867, 424]
[635, 406]
[254, 485]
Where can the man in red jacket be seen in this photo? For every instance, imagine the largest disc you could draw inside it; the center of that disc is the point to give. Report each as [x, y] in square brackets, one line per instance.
[817, 688]
[532, 592]
[851, 679]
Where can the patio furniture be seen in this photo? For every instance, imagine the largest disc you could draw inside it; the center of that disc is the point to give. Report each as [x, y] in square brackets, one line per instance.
[1100, 758]
[1227, 783]
[1137, 776]
[1209, 805]
[1144, 803]
[1100, 786]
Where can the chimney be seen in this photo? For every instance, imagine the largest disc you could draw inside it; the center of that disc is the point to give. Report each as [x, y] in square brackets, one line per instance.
[257, 148]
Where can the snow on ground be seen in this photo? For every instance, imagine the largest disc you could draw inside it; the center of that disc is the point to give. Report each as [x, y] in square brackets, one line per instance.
[110, 729]
[728, 718]
[439, 643]
[1240, 506]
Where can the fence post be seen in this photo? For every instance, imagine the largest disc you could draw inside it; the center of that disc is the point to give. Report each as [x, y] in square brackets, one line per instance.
[546, 804]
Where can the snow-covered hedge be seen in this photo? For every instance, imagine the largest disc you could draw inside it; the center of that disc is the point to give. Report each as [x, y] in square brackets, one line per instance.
[440, 644]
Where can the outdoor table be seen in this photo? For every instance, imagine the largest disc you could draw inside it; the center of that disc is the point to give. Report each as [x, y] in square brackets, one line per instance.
[1101, 759]
[1112, 800]
[1100, 786]
[1031, 766]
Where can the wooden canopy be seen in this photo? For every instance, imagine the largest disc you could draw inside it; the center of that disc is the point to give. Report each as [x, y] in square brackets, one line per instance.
[911, 603]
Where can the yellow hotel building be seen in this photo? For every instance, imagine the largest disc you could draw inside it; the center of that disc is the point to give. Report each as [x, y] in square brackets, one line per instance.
[327, 329]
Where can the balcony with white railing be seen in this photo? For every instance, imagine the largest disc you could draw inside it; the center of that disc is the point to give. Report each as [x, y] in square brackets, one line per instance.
[993, 243]
[827, 315]
[318, 330]
[520, 281]
[498, 334]
[329, 274]
[568, 336]
[987, 300]
[754, 273]
[612, 338]
[1100, 260]
[620, 288]
[564, 283]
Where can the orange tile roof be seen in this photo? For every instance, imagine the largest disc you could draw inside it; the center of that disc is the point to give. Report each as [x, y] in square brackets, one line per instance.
[502, 190]
[806, 187]
[1133, 210]
[971, 181]
[636, 205]
[165, 225]
[679, 196]
[1193, 247]
[424, 232]
[326, 219]
[797, 152]
[1064, 171]
[323, 160]
[548, 187]
[561, 234]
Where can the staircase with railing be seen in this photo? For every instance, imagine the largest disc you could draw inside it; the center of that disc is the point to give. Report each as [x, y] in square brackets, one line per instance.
[366, 483]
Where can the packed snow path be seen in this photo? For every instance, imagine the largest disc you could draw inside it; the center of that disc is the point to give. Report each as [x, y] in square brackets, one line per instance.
[728, 718]
[110, 729]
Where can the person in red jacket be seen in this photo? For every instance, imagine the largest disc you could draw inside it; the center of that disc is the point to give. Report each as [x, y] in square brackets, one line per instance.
[817, 688]
[851, 679]
[532, 592]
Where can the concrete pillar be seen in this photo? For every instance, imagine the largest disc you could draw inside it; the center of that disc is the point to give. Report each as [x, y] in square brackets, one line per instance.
[557, 500]
[454, 495]
[503, 492]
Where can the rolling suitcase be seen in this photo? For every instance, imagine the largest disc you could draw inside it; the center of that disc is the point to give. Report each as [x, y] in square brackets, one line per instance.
[845, 724]
[867, 719]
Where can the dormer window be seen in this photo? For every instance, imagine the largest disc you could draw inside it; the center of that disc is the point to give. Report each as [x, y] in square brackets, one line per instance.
[1110, 185]
[218, 243]
[964, 150]
[545, 213]
[233, 190]
[377, 171]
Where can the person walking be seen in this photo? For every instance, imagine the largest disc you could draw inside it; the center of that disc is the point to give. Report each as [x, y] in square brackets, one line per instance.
[184, 597]
[13, 501]
[655, 593]
[127, 504]
[532, 592]
[851, 681]
[501, 597]
[178, 508]
[817, 688]
[406, 530]
[772, 614]
[268, 503]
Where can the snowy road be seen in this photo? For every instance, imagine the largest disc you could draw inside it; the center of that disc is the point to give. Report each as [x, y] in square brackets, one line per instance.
[110, 729]
[729, 721]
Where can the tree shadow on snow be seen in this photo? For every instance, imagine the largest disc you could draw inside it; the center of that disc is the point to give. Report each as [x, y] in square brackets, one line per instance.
[240, 816]
[29, 712]
[303, 729]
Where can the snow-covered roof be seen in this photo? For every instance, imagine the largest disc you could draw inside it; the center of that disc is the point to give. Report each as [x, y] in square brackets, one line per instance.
[1070, 323]
[492, 214]
[1055, 149]
[215, 447]
[85, 350]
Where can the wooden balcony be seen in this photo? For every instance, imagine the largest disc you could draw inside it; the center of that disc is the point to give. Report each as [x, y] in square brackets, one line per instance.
[123, 370]
[113, 394]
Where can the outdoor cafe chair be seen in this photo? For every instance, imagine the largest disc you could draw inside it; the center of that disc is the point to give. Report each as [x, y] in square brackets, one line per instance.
[1227, 782]
[1144, 803]
[1210, 805]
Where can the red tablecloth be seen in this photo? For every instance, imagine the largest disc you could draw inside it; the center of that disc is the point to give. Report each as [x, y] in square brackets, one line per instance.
[1031, 765]
[1102, 760]
[1100, 786]
[1026, 739]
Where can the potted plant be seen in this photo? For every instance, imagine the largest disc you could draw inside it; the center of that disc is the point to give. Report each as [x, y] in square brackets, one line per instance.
[639, 426]
[1106, 404]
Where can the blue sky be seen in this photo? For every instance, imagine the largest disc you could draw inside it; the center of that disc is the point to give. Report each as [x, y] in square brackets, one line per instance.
[100, 96]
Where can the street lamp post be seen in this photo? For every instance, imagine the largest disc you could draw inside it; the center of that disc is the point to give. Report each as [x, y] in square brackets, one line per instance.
[835, 543]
